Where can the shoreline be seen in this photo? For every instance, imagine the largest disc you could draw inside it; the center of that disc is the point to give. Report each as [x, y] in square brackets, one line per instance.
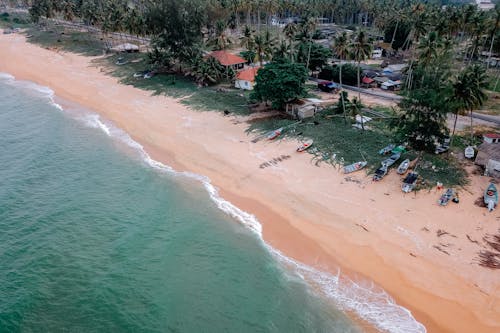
[328, 236]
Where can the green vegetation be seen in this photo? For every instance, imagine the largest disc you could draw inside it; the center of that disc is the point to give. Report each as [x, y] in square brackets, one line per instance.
[279, 83]
[14, 20]
[442, 45]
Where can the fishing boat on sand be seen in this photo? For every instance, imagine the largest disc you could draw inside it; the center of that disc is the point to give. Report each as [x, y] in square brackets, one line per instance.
[491, 197]
[409, 182]
[304, 146]
[386, 150]
[380, 173]
[274, 134]
[403, 167]
[446, 197]
[391, 160]
[355, 167]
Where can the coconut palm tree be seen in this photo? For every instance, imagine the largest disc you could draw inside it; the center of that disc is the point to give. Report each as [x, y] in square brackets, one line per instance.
[468, 91]
[341, 49]
[290, 31]
[360, 49]
[263, 45]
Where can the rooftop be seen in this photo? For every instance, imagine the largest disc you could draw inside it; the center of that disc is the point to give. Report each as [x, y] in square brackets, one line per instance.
[226, 58]
[248, 74]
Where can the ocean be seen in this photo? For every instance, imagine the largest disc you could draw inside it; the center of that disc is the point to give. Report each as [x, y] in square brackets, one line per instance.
[95, 236]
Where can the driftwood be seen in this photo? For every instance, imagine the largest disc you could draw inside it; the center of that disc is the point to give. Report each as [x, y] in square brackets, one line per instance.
[440, 249]
[471, 240]
[441, 232]
[363, 227]
[493, 241]
[489, 259]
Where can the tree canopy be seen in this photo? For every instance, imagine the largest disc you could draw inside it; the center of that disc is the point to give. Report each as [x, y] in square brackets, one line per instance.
[280, 83]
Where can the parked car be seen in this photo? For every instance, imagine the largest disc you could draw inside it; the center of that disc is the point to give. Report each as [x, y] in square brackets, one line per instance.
[328, 86]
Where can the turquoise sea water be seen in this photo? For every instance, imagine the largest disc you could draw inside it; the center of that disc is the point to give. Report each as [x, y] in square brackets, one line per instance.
[97, 237]
[94, 240]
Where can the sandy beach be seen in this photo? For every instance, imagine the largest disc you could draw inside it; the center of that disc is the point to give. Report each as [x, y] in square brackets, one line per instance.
[423, 255]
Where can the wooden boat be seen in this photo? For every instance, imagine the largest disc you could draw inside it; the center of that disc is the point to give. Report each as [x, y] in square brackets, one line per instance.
[469, 152]
[274, 134]
[304, 146]
[491, 197]
[391, 160]
[446, 197]
[380, 173]
[403, 167]
[387, 150]
[355, 167]
[409, 182]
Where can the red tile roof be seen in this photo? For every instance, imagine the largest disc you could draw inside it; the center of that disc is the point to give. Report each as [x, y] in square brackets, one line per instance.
[367, 80]
[492, 136]
[248, 74]
[226, 58]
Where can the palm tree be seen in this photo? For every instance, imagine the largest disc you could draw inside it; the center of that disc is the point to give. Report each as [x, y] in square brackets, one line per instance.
[248, 40]
[355, 107]
[468, 91]
[360, 49]
[290, 31]
[263, 45]
[220, 41]
[341, 49]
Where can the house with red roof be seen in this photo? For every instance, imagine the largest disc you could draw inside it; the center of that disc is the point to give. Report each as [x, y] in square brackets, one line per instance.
[245, 79]
[228, 60]
[491, 138]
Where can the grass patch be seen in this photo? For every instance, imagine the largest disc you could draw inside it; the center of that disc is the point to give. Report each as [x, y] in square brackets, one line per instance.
[176, 86]
[70, 41]
[14, 20]
[332, 138]
[441, 168]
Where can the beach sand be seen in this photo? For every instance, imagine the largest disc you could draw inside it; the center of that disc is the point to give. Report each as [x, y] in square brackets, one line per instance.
[313, 214]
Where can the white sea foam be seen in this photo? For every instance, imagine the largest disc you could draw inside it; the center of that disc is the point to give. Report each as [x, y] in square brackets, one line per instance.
[41, 91]
[367, 301]
[6, 77]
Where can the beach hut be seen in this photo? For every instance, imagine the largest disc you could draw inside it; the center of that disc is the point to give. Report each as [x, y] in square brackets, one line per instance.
[228, 60]
[304, 108]
[246, 78]
[488, 156]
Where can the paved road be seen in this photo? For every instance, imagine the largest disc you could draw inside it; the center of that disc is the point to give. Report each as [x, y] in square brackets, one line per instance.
[394, 97]
[491, 119]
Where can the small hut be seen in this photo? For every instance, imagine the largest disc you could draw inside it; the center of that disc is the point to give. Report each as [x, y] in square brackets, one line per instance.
[488, 157]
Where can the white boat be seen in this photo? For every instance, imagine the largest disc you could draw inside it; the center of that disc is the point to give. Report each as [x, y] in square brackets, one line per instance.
[304, 146]
[355, 167]
[491, 197]
[403, 167]
[469, 152]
